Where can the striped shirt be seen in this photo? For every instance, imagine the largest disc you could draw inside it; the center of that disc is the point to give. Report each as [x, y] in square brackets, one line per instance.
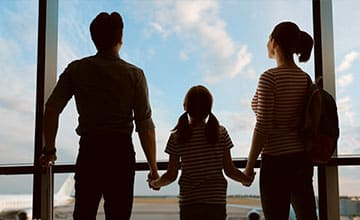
[278, 104]
[202, 179]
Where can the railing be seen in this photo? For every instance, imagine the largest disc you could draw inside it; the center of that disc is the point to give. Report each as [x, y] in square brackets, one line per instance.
[14, 169]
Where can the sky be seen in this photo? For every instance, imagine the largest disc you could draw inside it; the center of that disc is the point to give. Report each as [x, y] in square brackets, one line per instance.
[178, 44]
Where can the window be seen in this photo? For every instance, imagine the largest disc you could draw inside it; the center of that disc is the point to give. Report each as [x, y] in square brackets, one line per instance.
[18, 47]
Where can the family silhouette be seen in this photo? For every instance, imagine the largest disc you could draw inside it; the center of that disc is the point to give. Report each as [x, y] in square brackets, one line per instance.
[112, 95]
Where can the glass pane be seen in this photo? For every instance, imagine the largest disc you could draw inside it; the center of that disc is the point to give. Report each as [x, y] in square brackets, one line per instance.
[64, 196]
[178, 44]
[18, 48]
[347, 64]
[224, 50]
[349, 188]
[347, 57]
[15, 196]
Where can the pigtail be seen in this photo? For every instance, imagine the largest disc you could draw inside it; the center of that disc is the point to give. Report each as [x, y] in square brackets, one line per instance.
[212, 129]
[182, 129]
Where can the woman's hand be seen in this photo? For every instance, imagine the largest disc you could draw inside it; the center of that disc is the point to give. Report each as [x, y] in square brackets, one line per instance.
[250, 174]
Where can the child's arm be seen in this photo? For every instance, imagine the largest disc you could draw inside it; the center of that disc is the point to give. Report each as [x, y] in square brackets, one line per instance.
[233, 172]
[170, 175]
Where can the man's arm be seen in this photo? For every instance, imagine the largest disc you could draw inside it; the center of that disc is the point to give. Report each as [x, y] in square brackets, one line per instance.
[147, 140]
[51, 121]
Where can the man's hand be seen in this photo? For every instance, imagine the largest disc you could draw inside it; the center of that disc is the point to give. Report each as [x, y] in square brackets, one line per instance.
[47, 159]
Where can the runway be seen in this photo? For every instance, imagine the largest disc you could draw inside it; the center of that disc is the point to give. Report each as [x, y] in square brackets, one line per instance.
[163, 208]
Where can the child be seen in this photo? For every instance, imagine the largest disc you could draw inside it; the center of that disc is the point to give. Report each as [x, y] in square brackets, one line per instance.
[203, 146]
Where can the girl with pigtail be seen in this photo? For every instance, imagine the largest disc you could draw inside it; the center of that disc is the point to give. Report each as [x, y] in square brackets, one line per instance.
[202, 146]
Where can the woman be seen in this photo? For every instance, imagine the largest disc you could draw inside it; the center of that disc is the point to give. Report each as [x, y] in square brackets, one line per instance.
[203, 147]
[285, 172]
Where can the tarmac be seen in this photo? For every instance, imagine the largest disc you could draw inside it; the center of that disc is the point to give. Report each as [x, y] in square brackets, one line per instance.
[152, 209]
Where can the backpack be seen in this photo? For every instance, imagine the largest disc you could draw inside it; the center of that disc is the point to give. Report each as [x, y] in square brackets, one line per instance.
[320, 126]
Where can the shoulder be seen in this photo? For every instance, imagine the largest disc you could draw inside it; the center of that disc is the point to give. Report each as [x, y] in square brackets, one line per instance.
[131, 67]
[223, 131]
[267, 77]
[81, 61]
[269, 73]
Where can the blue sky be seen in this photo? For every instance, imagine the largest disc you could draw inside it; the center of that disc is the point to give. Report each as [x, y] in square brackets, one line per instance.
[178, 44]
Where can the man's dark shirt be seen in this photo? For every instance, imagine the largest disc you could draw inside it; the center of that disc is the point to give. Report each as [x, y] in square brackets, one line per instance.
[109, 94]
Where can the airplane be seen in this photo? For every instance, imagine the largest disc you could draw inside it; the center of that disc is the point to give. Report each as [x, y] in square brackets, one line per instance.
[19, 207]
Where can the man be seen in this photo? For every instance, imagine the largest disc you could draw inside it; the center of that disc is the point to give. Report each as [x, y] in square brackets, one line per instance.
[110, 94]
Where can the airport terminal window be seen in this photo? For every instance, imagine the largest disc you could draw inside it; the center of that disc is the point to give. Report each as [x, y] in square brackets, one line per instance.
[347, 65]
[221, 44]
[18, 49]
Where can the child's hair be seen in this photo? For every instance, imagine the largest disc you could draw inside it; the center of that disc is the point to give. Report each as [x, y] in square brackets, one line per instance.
[198, 102]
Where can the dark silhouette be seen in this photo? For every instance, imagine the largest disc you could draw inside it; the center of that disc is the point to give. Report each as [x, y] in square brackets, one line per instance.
[110, 94]
[203, 146]
[285, 173]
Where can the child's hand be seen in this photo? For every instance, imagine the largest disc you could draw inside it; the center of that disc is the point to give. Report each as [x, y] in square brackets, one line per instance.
[152, 177]
[248, 180]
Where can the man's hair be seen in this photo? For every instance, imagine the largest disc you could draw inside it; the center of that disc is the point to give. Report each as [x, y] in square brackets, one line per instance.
[106, 30]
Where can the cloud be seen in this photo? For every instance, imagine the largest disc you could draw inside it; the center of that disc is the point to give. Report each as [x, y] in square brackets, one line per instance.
[348, 60]
[198, 24]
[345, 80]
[183, 55]
[346, 115]
[158, 28]
[239, 126]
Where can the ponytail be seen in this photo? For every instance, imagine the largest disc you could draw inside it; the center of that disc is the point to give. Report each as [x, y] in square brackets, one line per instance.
[305, 45]
[182, 129]
[212, 129]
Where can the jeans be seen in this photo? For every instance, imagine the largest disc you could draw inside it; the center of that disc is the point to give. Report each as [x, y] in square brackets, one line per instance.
[287, 179]
[203, 212]
[105, 168]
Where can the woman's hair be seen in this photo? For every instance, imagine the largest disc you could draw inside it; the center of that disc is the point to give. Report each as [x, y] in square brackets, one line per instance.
[292, 40]
[198, 102]
[106, 30]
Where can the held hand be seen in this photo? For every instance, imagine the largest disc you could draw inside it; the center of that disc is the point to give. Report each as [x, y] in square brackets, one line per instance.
[249, 180]
[250, 174]
[154, 184]
[151, 177]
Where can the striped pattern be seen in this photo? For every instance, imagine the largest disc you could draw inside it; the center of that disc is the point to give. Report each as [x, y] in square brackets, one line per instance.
[278, 103]
[202, 179]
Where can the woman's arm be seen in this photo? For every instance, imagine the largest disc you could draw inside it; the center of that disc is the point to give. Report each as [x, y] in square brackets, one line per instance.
[170, 175]
[233, 172]
[256, 148]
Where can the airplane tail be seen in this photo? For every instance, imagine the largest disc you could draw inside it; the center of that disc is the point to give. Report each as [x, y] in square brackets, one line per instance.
[67, 188]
